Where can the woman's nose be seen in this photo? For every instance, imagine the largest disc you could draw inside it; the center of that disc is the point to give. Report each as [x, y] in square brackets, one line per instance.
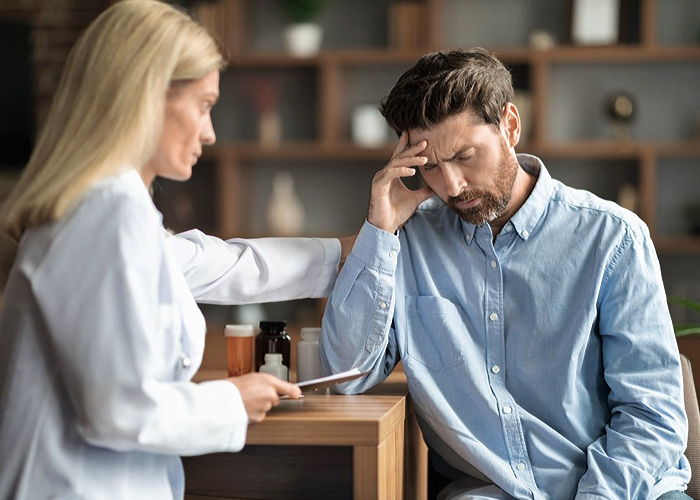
[208, 135]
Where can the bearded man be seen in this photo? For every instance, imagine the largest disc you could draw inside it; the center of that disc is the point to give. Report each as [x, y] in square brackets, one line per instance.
[530, 317]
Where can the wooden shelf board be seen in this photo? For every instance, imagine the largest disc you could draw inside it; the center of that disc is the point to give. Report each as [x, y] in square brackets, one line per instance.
[510, 55]
[613, 150]
[312, 150]
[677, 244]
[301, 151]
[618, 53]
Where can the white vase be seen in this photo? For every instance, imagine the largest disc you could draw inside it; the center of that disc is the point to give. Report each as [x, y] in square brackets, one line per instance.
[304, 39]
[285, 212]
[369, 129]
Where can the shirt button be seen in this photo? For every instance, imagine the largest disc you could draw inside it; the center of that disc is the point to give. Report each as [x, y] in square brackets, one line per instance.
[493, 264]
[521, 466]
[508, 228]
[392, 254]
[493, 317]
[507, 409]
[468, 237]
[495, 368]
[383, 305]
[526, 234]
[185, 361]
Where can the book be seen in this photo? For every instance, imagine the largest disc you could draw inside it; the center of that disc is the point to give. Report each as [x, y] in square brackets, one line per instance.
[331, 380]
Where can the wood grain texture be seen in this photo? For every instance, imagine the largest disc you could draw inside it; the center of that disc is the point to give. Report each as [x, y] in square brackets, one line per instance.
[364, 447]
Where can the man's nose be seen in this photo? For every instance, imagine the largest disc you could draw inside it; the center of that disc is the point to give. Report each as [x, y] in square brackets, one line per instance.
[454, 181]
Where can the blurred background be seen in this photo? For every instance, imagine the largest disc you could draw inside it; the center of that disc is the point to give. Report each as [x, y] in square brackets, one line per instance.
[609, 93]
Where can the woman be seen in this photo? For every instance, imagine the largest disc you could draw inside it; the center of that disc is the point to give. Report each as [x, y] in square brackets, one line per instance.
[99, 329]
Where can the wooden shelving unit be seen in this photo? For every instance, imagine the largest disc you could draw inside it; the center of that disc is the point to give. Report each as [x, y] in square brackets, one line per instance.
[331, 94]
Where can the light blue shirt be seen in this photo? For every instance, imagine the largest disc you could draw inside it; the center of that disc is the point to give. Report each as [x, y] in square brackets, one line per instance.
[544, 361]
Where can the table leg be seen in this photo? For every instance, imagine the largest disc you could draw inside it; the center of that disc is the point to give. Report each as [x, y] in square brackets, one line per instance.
[378, 470]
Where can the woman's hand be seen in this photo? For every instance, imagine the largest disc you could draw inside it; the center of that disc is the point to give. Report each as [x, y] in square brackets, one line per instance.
[391, 202]
[261, 392]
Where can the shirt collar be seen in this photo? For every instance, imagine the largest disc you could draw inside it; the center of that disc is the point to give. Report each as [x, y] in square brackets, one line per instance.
[468, 230]
[528, 215]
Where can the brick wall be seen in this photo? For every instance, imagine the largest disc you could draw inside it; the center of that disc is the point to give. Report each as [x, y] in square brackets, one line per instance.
[55, 26]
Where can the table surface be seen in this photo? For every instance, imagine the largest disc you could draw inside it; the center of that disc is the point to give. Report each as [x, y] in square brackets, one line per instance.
[331, 419]
[388, 458]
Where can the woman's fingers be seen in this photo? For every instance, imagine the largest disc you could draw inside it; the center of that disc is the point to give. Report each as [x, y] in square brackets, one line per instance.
[261, 392]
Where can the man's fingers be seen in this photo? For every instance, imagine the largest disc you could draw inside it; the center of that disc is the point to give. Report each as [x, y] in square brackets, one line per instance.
[403, 142]
[400, 164]
[411, 151]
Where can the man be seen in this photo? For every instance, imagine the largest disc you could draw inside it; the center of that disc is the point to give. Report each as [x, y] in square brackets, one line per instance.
[530, 317]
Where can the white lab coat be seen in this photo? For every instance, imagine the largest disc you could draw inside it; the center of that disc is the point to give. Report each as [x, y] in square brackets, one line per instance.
[100, 336]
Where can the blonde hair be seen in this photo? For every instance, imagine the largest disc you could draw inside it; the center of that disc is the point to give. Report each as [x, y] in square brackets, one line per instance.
[108, 110]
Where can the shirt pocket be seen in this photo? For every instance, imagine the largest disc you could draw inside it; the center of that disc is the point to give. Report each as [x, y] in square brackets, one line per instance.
[435, 332]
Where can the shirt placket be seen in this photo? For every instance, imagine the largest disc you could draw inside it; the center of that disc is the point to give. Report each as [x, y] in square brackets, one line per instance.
[496, 366]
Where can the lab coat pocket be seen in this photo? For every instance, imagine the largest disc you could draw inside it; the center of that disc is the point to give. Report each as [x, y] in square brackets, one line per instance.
[435, 333]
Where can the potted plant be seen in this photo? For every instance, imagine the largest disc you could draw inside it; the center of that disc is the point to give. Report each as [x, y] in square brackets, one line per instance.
[303, 36]
[687, 335]
[683, 329]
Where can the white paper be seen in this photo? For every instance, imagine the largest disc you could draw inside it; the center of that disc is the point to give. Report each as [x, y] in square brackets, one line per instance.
[331, 380]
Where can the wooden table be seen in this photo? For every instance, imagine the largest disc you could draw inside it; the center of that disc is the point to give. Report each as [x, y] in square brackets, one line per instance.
[324, 446]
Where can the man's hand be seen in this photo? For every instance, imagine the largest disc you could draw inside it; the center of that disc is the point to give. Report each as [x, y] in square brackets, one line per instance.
[391, 203]
[261, 392]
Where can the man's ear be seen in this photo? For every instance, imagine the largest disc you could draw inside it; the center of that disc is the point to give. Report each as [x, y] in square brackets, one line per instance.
[510, 124]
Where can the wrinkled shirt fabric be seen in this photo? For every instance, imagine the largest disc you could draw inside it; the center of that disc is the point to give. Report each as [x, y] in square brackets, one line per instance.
[543, 362]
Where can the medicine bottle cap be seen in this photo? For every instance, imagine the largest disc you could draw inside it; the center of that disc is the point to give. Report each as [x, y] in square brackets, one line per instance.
[273, 358]
[312, 334]
[273, 326]
[239, 331]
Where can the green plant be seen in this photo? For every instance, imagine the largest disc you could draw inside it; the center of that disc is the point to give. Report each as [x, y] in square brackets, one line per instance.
[302, 11]
[683, 329]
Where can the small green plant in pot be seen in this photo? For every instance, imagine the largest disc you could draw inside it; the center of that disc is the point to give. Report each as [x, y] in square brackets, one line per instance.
[683, 329]
[303, 36]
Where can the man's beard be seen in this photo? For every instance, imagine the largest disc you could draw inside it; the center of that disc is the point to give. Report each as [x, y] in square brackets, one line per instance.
[493, 203]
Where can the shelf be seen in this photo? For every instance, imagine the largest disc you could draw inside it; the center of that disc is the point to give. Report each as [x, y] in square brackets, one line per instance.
[618, 53]
[613, 150]
[339, 79]
[348, 151]
[510, 55]
[347, 57]
[299, 151]
[677, 244]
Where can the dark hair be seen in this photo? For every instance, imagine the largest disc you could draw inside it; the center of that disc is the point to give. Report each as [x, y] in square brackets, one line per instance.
[444, 84]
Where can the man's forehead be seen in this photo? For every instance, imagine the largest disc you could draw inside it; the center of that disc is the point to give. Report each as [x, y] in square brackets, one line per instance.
[449, 129]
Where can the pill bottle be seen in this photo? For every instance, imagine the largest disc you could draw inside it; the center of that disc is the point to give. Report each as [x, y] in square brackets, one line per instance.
[273, 365]
[239, 349]
[308, 362]
[272, 338]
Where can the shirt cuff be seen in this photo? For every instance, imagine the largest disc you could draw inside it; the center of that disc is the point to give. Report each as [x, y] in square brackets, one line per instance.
[238, 417]
[376, 248]
[329, 267]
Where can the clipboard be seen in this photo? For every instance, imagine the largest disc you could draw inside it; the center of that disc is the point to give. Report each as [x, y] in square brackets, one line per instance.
[331, 380]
